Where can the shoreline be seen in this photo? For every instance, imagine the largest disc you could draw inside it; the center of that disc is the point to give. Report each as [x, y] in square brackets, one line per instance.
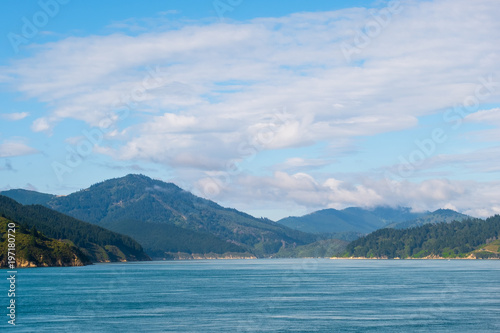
[471, 257]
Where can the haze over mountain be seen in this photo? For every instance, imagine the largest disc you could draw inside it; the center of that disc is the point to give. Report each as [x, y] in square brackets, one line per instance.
[353, 219]
[166, 220]
[438, 216]
[353, 222]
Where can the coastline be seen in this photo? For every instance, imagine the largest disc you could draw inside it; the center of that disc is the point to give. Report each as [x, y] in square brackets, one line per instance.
[206, 256]
[430, 257]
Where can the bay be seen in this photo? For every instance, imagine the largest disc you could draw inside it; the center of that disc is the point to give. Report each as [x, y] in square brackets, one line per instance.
[264, 295]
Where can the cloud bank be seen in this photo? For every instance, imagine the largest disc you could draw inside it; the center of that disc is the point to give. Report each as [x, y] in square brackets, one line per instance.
[204, 96]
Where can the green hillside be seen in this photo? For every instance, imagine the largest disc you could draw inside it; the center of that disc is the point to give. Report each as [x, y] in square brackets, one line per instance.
[446, 240]
[97, 243]
[320, 249]
[491, 249]
[33, 249]
[171, 242]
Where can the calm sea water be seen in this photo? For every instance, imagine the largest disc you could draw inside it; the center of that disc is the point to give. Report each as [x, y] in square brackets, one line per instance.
[260, 296]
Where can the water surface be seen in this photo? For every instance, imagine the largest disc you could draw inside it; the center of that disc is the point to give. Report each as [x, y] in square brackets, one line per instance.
[291, 295]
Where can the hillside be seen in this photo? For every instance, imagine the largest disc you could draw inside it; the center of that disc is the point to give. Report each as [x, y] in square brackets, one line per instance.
[357, 220]
[172, 242]
[97, 243]
[144, 208]
[488, 250]
[438, 216]
[446, 240]
[33, 249]
[320, 249]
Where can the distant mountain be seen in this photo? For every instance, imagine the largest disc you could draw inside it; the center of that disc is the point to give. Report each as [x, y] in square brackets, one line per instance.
[97, 243]
[438, 216]
[33, 249]
[347, 236]
[166, 219]
[27, 197]
[349, 220]
[472, 238]
[400, 214]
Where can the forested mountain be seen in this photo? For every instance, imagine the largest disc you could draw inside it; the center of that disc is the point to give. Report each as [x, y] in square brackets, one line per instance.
[160, 214]
[320, 249]
[447, 240]
[438, 216]
[172, 223]
[33, 249]
[169, 241]
[97, 243]
[27, 197]
[357, 220]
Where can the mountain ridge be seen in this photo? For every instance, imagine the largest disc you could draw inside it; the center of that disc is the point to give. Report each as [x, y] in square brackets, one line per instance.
[123, 204]
[352, 219]
[173, 223]
[438, 216]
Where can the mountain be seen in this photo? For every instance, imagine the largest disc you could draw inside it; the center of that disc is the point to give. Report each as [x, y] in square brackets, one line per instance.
[97, 243]
[27, 197]
[472, 238]
[352, 219]
[400, 214]
[320, 249]
[33, 249]
[172, 242]
[438, 216]
[166, 219]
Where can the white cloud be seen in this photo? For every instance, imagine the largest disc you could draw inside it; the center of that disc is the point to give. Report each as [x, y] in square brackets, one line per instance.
[478, 161]
[14, 116]
[490, 118]
[41, 125]
[295, 163]
[244, 70]
[303, 192]
[11, 148]
[202, 96]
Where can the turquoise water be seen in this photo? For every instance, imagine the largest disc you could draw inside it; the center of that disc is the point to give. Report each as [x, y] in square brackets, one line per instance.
[260, 296]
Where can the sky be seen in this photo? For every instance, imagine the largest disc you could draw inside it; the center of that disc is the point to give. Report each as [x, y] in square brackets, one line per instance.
[273, 108]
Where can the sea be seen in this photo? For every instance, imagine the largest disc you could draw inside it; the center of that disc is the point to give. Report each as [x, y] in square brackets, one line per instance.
[262, 295]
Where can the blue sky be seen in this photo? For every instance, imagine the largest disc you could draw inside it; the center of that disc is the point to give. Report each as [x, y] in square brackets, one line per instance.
[274, 108]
